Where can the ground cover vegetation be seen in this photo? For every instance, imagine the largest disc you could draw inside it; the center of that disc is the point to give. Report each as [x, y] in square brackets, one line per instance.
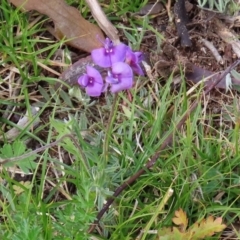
[78, 127]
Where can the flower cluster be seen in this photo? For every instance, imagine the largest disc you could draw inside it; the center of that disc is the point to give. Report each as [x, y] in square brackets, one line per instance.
[120, 62]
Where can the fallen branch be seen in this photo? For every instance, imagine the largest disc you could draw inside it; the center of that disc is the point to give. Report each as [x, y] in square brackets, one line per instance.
[168, 141]
[181, 20]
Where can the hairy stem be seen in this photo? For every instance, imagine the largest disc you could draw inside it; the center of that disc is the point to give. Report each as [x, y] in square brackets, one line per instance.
[109, 127]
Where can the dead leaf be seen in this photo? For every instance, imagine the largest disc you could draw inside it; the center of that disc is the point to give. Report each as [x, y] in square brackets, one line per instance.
[180, 219]
[68, 22]
[18, 190]
[200, 230]
[207, 227]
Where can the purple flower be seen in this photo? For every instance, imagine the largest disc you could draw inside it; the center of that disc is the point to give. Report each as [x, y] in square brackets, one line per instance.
[133, 59]
[120, 78]
[92, 81]
[109, 54]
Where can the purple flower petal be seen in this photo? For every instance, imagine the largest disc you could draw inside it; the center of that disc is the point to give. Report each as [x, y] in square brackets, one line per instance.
[94, 90]
[101, 58]
[118, 53]
[123, 69]
[130, 56]
[92, 81]
[137, 69]
[133, 59]
[123, 76]
[138, 55]
[95, 74]
[83, 80]
[109, 54]
[95, 87]
[125, 83]
[108, 44]
[110, 79]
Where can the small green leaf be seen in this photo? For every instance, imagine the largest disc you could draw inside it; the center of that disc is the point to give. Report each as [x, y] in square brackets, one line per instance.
[127, 112]
[6, 151]
[66, 98]
[44, 93]
[18, 148]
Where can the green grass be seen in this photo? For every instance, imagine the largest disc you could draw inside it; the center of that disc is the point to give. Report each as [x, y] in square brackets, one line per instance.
[112, 138]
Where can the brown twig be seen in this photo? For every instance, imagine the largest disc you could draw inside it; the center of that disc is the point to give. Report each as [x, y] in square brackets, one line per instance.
[166, 143]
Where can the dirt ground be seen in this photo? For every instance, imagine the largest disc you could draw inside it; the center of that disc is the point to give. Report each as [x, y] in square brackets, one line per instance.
[210, 52]
[203, 28]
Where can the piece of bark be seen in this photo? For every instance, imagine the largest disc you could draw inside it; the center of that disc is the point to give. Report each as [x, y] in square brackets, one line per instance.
[68, 22]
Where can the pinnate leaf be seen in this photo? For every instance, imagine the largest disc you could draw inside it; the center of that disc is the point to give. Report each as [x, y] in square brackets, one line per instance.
[68, 22]
[207, 227]
[180, 219]
[15, 149]
[19, 189]
[200, 230]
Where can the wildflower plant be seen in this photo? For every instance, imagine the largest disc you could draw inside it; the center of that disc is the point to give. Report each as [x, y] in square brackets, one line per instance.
[120, 63]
